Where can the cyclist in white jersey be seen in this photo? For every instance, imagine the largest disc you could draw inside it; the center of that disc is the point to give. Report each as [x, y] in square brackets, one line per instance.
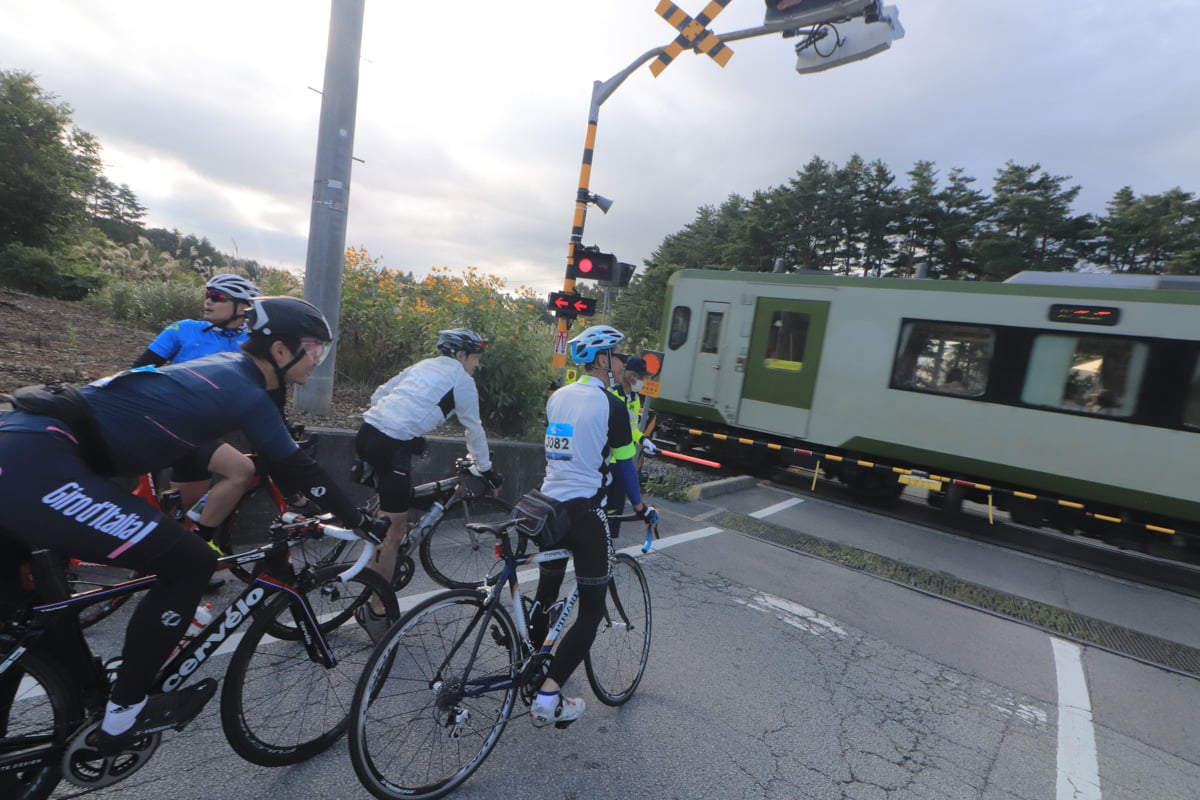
[402, 411]
[586, 424]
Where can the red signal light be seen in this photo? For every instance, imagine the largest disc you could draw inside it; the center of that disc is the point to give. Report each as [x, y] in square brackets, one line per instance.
[585, 266]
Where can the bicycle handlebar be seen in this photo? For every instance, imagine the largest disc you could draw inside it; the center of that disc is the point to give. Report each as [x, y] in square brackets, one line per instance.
[297, 523]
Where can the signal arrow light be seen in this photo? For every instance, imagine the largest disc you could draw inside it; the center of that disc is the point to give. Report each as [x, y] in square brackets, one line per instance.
[571, 305]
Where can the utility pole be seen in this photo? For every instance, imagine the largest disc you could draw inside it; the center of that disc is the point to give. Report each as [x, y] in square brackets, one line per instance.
[331, 189]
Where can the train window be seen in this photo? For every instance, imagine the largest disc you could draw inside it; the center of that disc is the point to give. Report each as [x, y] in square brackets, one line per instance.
[1091, 374]
[944, 357]
[710, 342]
[1191, 412]
[681, 317]
[786, 340]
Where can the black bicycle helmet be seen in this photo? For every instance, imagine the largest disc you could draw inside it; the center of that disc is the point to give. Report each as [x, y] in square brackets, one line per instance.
[464, 339]
[287, 318]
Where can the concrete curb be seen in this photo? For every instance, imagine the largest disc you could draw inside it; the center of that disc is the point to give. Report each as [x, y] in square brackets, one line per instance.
[702, 491]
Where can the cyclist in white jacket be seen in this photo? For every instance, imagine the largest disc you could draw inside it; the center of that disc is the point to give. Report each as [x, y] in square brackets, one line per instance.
[406, 408]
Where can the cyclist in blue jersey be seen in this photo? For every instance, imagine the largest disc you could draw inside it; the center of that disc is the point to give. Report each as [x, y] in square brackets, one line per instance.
[222, 330]
[55, 491]
[586, 424]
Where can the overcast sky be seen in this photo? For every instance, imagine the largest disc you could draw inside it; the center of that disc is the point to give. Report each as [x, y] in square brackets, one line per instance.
[472, 114]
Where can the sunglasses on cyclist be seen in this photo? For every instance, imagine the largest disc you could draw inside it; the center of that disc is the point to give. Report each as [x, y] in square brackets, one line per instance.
[217, 297]
[316, 349]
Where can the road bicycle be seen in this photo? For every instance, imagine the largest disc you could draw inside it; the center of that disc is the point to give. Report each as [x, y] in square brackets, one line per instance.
[84, 575]
[287, 685]
[450, 551]
[440, 686]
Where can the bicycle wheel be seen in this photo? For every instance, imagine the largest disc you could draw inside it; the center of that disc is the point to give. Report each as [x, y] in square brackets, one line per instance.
[617, 660]
[280, 707]
[39, 709]
[454, 556]
[224, 540]
[425, 714]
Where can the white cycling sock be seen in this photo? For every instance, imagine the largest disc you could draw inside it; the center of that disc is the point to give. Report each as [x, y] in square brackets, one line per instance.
[547, 698]
[118, 719]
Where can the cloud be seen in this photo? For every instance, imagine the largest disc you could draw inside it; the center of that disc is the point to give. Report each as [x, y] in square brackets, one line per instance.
[472, 116]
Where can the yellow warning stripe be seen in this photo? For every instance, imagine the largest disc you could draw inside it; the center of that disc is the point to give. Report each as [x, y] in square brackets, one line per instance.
[691, 30]
[943, 479]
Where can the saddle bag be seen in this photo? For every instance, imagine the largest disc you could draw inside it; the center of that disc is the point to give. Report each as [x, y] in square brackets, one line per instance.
[64, 402]
[542, 518]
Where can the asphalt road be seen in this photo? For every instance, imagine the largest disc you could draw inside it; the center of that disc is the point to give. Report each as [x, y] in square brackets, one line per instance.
[775, 675]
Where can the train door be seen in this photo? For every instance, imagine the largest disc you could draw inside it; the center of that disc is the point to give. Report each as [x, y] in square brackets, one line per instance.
[706, 373]
[781, 365]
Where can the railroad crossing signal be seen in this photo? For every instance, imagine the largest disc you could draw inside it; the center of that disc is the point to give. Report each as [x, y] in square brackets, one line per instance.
[569, 305]
[590, 264]
[693, 33]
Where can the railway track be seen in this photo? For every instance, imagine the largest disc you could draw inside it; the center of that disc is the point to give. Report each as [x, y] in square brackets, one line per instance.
[1128, 563]
[1121, 556]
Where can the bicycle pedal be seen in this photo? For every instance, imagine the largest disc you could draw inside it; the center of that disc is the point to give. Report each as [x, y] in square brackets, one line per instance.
[403, 573]
[175, 709]
[566, 724]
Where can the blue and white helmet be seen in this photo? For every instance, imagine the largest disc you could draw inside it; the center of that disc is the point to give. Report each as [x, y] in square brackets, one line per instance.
[596, 339]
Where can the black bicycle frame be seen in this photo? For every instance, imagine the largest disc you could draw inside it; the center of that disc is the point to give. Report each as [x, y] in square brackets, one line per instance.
[205, 643]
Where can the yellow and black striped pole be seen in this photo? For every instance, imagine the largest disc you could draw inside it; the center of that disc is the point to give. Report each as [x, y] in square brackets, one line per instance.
[581, 203]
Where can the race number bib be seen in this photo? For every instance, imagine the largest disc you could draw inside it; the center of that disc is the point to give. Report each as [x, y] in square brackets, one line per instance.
[559, 441]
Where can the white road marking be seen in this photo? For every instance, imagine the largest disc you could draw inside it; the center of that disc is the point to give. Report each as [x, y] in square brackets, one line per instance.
[796, 615]
[775, 509]
[1078, 769]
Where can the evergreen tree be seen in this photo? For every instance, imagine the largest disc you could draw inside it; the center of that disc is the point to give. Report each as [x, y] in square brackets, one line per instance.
[48, 167]
[919, 216]
[880, 212]
[1030, 224]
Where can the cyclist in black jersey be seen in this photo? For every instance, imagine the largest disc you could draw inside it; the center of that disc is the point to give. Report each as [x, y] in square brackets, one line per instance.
[55, 493]
[586, 424]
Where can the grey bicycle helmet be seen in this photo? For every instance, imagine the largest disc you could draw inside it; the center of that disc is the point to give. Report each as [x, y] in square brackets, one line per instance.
[234, 286]
[464, 339]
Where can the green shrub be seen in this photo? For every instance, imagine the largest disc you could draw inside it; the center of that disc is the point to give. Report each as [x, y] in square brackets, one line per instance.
[38, 271]
[389, 320]
[150, 306]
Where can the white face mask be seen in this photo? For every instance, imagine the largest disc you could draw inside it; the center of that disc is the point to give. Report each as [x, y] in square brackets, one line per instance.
[637, 385]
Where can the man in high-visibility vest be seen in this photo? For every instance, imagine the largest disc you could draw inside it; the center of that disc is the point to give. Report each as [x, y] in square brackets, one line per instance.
[630, 384]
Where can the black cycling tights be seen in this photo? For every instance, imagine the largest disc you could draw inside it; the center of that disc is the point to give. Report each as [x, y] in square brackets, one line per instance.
[588, 542]
[52, 501]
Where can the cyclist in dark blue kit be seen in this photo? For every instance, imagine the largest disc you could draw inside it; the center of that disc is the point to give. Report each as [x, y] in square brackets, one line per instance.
[55, 494]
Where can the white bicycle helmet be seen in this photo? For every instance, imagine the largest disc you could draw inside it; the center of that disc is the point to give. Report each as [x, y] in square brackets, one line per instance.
[591, 341]
[234, 286]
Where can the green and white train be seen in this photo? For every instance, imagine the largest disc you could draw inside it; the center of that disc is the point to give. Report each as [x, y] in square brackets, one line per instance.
[1065, 396]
